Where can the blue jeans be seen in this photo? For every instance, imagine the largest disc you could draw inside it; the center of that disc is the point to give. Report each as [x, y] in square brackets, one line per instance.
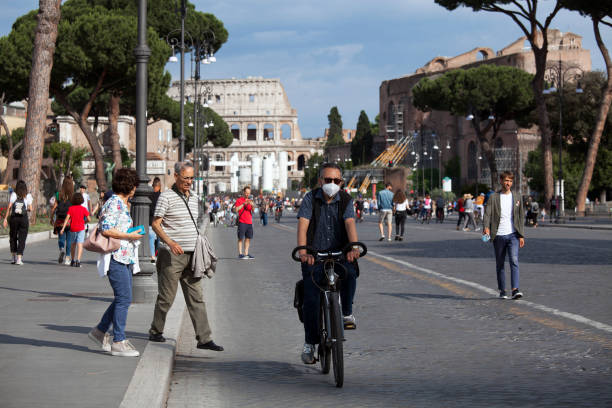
[64, 241]
[312, 296]
[152, 241]
[510, 244]
[120, 278]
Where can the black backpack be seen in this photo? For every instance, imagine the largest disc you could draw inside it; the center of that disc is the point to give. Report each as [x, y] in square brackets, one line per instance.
[62, 210]
[19, 208]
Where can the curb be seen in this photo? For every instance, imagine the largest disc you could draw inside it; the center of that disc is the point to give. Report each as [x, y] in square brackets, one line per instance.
[34, 237]
[150, 383]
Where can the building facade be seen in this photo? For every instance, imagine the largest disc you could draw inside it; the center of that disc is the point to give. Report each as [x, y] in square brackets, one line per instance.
[454, 136]
[265, 129]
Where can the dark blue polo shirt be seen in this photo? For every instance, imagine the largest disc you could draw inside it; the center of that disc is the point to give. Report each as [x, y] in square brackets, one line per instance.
[328, 233]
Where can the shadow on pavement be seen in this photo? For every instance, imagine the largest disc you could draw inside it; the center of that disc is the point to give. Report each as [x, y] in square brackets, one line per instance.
[414, 296]
[85, 330]
[61, 294]
[8, 339]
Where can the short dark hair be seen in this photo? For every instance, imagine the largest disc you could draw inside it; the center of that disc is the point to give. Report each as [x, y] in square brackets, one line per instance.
[245, 188]
[387, 185]
[77, 199]
[156, 181]
[82, 186]
[124, 180]
[21, 189]
[507, 174]
[329, 166]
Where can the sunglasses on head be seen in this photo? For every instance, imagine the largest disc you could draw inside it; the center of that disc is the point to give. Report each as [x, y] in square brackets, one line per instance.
[332, 180]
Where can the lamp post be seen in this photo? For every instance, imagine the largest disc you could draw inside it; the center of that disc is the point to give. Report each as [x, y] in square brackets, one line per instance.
[144, 288]
[557, 75]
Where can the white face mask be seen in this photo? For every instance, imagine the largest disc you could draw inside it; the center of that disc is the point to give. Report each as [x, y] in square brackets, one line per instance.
[331, 189]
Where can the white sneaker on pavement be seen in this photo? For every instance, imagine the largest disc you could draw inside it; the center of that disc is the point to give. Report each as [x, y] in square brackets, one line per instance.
[67, 260]
[124, 349]
[101, 339]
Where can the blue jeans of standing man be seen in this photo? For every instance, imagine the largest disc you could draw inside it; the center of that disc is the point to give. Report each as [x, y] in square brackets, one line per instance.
[312, 296]
[507, 244]
[120, 278]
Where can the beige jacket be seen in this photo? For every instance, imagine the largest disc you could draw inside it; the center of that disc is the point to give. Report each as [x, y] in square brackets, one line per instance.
[204, 260]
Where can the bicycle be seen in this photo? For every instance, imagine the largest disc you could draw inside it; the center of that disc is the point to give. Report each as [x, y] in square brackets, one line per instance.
[331, 322]
[278, 213]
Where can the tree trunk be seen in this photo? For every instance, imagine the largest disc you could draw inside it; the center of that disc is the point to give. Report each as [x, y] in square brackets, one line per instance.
[113, 119]
[9, 159]
[38, 96]
[486, 148]
[604, 107]
[81, 120]
[543, 123]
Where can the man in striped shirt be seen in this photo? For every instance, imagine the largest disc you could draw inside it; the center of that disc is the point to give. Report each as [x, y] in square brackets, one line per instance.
[174, 222]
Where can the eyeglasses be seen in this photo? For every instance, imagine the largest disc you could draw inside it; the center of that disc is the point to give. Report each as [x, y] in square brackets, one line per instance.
[332, 180]
[187, 178]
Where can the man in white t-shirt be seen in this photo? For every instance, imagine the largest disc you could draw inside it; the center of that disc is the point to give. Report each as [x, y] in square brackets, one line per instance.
[86, 199]
[504, 221]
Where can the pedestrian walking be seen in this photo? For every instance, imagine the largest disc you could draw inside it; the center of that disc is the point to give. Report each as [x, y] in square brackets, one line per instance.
[400, 209]
[153, 241]
[174, 223]
[86, 203]
[20, 204]
[119, 265]
[263, 213]
[60, 211]
[76, 217]
[504, 222]
[440, 205]
[385, 206]
[460, 212]
[468, 212]
[244, 208]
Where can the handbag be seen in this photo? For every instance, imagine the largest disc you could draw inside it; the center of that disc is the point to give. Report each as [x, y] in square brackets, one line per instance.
[96, 242]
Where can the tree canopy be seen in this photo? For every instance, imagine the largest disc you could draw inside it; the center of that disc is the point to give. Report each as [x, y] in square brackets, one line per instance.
[334, 135]
[361, 145]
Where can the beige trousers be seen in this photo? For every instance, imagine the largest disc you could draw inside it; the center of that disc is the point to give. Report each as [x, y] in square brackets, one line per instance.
[172, 269]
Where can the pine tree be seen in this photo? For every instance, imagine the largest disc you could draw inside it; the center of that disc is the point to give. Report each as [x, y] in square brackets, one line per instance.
[334, 136]
[361, 145]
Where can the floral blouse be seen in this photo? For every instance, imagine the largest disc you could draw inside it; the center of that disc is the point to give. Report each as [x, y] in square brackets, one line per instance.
[115, 214]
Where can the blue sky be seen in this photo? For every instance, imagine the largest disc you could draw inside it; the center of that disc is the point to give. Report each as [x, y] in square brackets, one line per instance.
[337, 52]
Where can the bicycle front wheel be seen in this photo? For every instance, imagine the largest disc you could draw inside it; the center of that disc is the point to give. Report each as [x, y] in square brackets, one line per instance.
[337, 335]
[324, 351]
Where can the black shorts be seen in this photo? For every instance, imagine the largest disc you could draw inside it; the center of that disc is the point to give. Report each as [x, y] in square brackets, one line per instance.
[245, 231]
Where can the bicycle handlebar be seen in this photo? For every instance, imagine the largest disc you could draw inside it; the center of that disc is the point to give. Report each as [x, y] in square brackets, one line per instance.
[328, 254]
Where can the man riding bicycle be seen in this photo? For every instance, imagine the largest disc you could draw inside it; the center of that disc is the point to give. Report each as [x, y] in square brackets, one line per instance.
[326, 221]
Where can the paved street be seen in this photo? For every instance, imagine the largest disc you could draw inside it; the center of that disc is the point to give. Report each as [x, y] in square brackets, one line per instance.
[430, 330]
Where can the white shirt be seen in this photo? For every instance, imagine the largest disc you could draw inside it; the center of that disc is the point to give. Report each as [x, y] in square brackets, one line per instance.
[28, 199]
[505, 219]
[401, 206]
[86, 201]
[427, 203]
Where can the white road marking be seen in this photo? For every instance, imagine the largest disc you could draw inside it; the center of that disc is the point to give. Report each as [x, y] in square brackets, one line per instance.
[571, 316]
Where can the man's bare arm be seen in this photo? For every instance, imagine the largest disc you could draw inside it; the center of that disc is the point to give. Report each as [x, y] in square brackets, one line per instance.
[302, 239]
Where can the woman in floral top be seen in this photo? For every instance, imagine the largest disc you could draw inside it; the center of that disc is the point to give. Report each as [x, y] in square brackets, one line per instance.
[114, 222]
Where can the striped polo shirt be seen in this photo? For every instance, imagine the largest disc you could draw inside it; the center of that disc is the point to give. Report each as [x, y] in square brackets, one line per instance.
[176, 221]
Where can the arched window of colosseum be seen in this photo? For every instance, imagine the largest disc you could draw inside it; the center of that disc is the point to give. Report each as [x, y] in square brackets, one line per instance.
[236, 131]
[219, 158]
[252, 132]
[472, 164]
[499, 143]
[268, 131]
[482, 55]
[437, 65]
[286, 131]
[301, 162]
[391, 114]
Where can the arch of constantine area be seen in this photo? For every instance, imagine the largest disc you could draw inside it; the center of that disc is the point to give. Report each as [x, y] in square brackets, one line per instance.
[267, 139]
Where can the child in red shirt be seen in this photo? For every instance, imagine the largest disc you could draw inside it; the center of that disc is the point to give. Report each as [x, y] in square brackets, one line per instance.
[77, 214]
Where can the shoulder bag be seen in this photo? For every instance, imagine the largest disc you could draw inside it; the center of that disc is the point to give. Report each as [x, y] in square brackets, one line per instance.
[96, 242]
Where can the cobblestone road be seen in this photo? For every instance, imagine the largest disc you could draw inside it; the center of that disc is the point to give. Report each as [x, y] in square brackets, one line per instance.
[422, 340]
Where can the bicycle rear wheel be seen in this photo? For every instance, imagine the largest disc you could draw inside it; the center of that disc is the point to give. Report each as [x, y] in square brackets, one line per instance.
[337, 334]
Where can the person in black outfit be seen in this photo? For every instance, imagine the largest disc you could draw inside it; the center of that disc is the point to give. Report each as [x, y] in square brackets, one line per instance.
[19, 223]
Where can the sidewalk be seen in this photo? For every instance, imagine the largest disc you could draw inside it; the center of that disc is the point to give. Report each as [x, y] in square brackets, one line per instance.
[46, 311]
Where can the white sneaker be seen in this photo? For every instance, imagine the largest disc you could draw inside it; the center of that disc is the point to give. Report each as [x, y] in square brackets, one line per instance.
[18, 261]
[67, 261]
[349, 322]
[124, 349]
[101, 339]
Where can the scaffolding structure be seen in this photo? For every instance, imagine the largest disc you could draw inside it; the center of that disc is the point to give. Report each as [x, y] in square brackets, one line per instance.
[396, 152]
[505, 159]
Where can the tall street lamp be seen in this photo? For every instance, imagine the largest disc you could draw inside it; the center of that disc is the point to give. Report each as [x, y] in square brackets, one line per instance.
[557, 75]
[180, 44]
[144, 287]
